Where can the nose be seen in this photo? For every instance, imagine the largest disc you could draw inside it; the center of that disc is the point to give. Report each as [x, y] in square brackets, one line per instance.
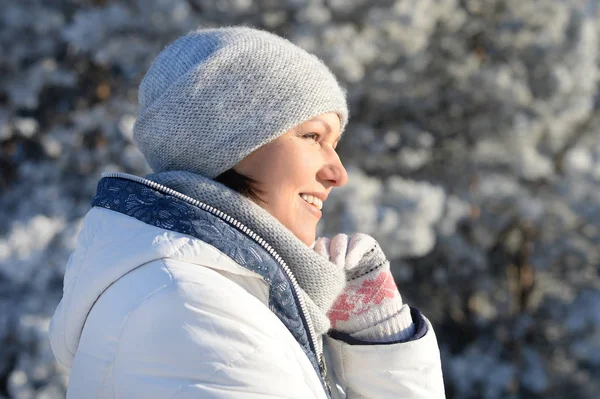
[333, 172]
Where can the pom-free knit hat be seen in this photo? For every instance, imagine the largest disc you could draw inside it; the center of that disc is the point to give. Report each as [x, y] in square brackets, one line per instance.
[214, 96]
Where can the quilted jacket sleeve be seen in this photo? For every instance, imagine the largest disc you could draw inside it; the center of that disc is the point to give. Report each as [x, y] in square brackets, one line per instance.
[219, 344]
[407, 370]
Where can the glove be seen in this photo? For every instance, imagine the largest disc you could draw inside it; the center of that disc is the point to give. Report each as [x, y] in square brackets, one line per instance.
[370, 307]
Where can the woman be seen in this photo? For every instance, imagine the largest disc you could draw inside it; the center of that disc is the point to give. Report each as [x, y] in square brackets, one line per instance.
[204, 279]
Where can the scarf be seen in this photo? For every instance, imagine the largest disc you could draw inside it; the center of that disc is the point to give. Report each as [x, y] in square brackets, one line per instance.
[320, 280]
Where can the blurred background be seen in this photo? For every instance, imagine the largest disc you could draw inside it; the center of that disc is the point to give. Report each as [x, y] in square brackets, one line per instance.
[473, 153]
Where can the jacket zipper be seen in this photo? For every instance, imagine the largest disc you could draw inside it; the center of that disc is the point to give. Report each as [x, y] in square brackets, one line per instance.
[318, 346]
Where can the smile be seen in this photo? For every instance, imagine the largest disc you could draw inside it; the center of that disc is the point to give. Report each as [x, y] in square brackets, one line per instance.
[316, 202]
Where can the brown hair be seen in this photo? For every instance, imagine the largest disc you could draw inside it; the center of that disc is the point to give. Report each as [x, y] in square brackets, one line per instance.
[243, 184]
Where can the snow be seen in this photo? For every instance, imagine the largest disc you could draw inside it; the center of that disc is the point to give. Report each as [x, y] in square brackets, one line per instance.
[473, 153]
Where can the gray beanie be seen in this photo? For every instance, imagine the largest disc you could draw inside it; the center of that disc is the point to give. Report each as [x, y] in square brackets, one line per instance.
[214, 96]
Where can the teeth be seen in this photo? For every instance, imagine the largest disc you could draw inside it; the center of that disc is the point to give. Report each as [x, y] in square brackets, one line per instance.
[312, 200]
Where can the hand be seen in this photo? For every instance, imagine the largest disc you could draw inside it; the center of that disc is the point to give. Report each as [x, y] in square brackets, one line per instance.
[370, 305]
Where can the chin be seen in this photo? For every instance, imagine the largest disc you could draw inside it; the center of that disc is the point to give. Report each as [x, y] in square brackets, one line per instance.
[306, 238]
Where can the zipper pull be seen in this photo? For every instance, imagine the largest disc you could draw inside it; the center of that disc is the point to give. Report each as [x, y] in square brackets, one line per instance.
[323, 367]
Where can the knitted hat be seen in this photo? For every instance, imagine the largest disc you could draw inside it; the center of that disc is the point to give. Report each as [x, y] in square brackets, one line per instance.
[214, 96]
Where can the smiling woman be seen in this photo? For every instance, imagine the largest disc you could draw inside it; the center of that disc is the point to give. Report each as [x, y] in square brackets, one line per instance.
[296, 172]
[205, 278]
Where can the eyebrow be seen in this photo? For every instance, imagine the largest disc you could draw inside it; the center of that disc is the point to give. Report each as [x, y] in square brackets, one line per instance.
[327, 128]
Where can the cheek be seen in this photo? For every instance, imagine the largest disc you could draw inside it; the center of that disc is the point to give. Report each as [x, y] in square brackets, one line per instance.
[295, 167]
[289, 178]
[283, 170]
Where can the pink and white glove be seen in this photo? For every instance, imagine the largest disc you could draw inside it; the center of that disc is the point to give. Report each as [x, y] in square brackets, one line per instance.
[370, 307]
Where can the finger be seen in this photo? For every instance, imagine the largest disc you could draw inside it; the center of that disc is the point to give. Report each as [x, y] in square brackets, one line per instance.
[321, 246]
[359, 246]
[338, 249]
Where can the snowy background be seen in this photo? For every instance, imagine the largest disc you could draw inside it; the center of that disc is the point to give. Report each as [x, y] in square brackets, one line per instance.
[473, 152]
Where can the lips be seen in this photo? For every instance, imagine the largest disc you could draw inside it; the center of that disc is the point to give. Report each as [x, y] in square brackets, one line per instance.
[313, 210]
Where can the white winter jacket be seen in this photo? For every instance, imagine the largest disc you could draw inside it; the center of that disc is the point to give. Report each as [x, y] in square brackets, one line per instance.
[148, 312]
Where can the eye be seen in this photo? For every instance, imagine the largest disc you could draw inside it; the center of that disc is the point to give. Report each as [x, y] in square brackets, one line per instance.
[311, 136]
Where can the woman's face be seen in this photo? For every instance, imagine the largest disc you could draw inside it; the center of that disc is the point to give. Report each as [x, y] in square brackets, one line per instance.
[296, 173]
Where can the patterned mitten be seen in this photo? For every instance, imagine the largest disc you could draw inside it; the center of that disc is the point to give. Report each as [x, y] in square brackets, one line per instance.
[370, 307]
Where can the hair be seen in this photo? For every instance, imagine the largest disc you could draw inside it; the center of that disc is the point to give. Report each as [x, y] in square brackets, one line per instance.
[243, 184]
